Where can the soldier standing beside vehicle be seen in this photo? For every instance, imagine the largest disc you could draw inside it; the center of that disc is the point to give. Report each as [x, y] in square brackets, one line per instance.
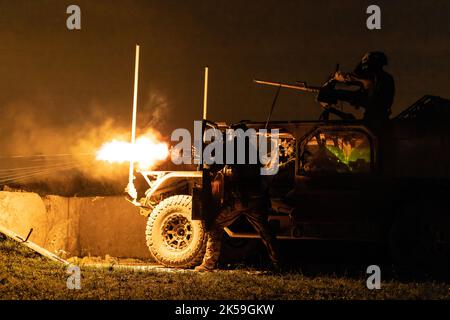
[375, 89]
[245, 194]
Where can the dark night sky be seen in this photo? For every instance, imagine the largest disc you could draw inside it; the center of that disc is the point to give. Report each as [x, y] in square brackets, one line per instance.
[65, 78]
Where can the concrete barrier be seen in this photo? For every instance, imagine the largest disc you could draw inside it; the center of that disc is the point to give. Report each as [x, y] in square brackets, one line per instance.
[95, 226]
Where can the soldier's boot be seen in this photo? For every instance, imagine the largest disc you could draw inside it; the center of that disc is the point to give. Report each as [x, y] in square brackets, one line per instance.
[273, 254]
[204, 268]
[271, 244]
[212, 253]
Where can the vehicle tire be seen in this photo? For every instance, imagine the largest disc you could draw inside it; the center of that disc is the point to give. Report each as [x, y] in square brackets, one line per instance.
[174, 240]
[419, 239]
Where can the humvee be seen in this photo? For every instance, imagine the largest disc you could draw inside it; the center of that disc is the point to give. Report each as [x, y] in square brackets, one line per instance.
[337, 180]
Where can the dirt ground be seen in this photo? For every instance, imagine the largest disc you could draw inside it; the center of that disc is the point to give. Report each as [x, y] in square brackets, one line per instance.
[26, 275]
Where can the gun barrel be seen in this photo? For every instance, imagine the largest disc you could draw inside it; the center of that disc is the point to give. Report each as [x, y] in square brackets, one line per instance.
[301, 87]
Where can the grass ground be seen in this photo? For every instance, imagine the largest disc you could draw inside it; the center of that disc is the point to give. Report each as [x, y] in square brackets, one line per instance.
[26, 275]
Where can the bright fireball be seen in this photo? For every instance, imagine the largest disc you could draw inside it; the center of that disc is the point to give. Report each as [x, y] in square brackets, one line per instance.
[146, 152]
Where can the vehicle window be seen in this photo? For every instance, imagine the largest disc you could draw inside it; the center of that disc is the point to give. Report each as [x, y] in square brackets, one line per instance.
[336, 152]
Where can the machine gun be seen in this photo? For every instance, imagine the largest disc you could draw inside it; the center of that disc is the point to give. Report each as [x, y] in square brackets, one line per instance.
[302, 86]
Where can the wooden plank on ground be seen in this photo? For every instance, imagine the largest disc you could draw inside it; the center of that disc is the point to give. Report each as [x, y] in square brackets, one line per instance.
[33, 246]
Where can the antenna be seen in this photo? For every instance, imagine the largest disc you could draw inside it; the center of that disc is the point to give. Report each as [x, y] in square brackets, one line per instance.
[274, 102]
[205, 95]
[130, 188]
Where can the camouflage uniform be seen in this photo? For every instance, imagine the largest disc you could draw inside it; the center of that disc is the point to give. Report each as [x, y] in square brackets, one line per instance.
[246, 197]
[376, 97]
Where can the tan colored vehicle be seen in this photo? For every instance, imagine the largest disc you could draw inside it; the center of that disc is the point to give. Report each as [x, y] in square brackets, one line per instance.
[337, 181]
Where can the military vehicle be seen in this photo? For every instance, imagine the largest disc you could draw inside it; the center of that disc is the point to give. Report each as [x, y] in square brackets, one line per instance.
[337, 180]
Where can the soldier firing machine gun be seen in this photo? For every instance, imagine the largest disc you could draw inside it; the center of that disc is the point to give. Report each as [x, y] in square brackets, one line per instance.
[303, 86]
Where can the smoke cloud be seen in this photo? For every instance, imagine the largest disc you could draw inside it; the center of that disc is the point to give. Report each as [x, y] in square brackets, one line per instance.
[54, 152]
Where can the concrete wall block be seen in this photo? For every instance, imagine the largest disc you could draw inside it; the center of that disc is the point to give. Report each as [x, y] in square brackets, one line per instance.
[62, 226]
[110, 225]
[95, 226]
[21, 211]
